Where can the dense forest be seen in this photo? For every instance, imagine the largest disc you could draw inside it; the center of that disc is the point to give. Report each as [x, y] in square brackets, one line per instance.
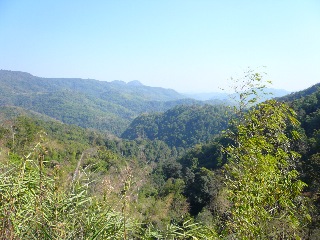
[181, 126]
[155, 165]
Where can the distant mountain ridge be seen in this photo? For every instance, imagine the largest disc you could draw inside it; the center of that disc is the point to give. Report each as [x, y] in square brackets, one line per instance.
[107, 106]
[89, 103]
[25, 82]
[300, 94]
[221, 96]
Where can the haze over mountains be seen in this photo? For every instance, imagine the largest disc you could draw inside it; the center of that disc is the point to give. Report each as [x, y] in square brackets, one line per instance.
[89, 103]
[225, 96]
[85, 102]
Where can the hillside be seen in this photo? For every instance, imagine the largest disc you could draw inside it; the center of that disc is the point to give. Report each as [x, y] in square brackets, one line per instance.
[300, 94]
[22, 82]
[107, 106]
[181, 126]
[307, 105]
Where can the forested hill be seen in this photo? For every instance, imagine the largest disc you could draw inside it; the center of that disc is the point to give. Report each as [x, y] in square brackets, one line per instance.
[181, 126]
[22, 82]
[300, 94]
[107, 106]
[307, 105]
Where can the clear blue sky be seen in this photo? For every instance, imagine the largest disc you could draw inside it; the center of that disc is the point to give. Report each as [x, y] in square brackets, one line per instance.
[187, 45]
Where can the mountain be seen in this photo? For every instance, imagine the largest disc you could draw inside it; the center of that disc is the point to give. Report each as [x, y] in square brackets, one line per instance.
[21, 82]
[135, 83]
[300, 94]
[220, 96]
[307, 105]
[107, 106]
[89, 103]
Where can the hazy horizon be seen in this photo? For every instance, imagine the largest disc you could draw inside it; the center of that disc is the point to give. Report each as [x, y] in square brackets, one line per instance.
[188, 46]
[218, 91]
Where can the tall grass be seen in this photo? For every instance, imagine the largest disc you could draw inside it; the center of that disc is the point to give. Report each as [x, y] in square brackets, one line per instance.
[35, 204]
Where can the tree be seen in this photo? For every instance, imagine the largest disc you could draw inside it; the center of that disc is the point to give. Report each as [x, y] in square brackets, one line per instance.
[261, 180]
[248, 91]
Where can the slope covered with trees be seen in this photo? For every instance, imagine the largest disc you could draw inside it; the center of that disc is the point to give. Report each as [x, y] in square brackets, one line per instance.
[181, 126]
[268, 148]
[107, 106]
[64, 182]
[307, 105]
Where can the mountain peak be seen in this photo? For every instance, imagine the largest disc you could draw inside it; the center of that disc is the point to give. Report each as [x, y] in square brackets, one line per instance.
[135, 83]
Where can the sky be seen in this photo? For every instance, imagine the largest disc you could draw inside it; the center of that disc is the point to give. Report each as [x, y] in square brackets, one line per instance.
[186, 45]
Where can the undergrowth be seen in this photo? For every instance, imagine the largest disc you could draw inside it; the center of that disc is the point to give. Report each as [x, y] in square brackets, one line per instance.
[35, 204]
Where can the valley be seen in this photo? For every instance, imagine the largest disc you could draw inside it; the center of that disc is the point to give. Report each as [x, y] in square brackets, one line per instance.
[86, 159]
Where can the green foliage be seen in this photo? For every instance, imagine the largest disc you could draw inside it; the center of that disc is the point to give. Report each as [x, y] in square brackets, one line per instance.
[307, 108]
[189, 230]
[201, 188]
[106, 106]
[201, 173]
[307, 104]
[262, 182]
[182, 126]
[33, 205]
[248, 91]
[207, 155]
